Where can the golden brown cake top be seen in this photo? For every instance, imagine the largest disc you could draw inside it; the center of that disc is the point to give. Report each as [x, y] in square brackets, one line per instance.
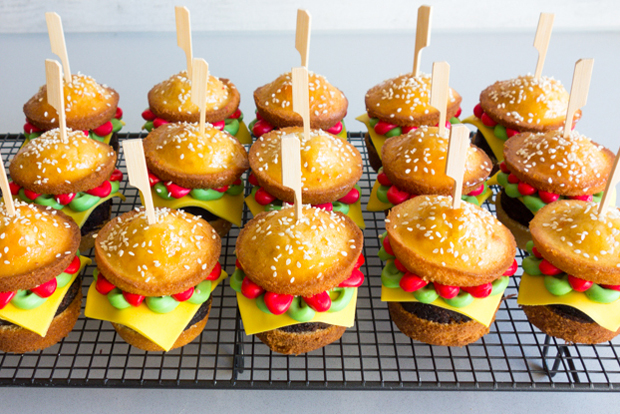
[178, 152]
[49, 165]
[172, 255]
[569, 166]
[302, 257]
[172, 99]
[88, 105]
[36, 245]
[460, 247]
[405, 101]
[575, 238]
[330, 166]
[526, 103]
[274, 102]
[416, 162]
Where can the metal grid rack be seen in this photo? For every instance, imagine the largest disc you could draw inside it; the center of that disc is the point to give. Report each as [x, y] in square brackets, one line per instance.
[373, 354]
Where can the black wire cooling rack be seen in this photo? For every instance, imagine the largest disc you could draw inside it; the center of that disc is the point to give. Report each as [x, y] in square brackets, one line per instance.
[373, 354]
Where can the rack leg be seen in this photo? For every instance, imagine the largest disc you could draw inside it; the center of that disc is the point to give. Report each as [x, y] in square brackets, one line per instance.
[238, 363]
[562, 350]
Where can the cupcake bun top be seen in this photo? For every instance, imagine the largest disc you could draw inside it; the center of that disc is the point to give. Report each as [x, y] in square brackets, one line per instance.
[457, 247]
[330, 166]
[172, 255]
[304, 257]
[177, 152]
[36, 245]
[172, 99]
[88, 105]
[575, 238]
[527, 104]
[274, 102]
[49, 165]
[416, 162]
[405, 101]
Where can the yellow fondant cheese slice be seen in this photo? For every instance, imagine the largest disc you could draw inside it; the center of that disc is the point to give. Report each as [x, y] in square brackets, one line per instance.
[377, 140]
[496, 144]
[374, 204]
[161, 328]
[532, 292]
[355, 210]
[256, 321]
[229, 207]
[38, 320]
[481, 310]
[243, 135]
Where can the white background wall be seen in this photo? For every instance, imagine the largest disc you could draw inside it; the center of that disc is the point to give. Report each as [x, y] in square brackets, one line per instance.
[27, 16]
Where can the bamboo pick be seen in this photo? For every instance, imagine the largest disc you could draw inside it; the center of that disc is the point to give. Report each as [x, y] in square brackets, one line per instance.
[200, 78]
[302, 35]
[541, 40]
[578, 91]
[612, 180]
[422, 35]
[138, 175]
[57, 41]
[456, 158]
[6, 191]
[55, 94]
[184, 35]
[439, 92]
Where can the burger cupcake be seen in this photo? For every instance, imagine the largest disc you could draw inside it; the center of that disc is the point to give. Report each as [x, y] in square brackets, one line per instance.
[415, 163]
[570, 288]
[40, 287]
[274, 106]
[77, 176]
[540, 168]
[170, 101]
[154, 281]
[399, 105]
[89, 107]
[330, 169]
[200, 174]
[446, 269]
[296, 281]
[510, 107]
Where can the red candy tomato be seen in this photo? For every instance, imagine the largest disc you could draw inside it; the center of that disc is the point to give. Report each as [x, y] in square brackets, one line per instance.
[47, 289]
[410, 282]
[511, 132]
[153, 179]
[219, 125]
[478, 111]
[104, 129]
[252, 179]
[396, 196]
[400, 266]
[383, 180]
[548, 269]
[324, 206]
[261, 127]
[64, 199]
[355, 280]
[102, 191]
[580, 285]
[458, 112]
[547, 197]
[445, 291]
[5, 298]
[103, 286]
[14, 188]
[278, 303]
[351, 197]
[587, 197]
[119, 113]
[320, 302]
[360, 261]
[526, 189]
[216, 272]
[512, 269]
[177, 191]
[133, 299]
[157, 122]
[183, 296]
[487, 121]
[480, 291]
[117, 175]
[387, 247]
[383, 127]
[504, 167]
[148, 115]
[263, 198]
[512, 179]
[31, 194]
[250, 289]
[74, 266]
[336, 129]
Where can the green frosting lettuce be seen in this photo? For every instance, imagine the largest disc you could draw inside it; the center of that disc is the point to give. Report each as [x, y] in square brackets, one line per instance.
[81, 202]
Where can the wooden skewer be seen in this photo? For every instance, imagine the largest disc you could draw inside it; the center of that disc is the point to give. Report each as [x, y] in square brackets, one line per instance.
[291, 158]
[184, 35]
[138, 175]
[55, 94]
[422, 35]
[57, 41]
[439, 92]
[541, 40]
[302, 35]
[6, 191]
[200, 78]
[612, 181]
[456, 158]
[578, 91]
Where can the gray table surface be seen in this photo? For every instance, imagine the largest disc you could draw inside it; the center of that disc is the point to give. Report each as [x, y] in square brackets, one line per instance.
[133, 63]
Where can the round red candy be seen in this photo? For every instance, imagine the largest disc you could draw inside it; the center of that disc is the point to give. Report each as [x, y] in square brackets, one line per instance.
[458, 112]
[360, 261]
[410, 282]
[612, 287]
[408, 129]
[587, 197]
[278, 303]
[478, 111]
[117, 175]
[133, 299]
[31, 194]
[183, 296]
[396, 196]
[222, 189]
[512, 269]
[261, 127]
[447, 292]
[512, 179]
[157, 122]
[536, 253]
[504, 167]
[383, 179]
[104, 129]
[216, 272]
[336, 129]
[153, 179]
[487, 121]
[47, 289]
[320, 302]
[119, 113]
[580, 285]
[238, 264]
[548, 197]
[477, 191]
[148, 115]
[511, 132]
[177, 191]
[29, 128]
[387, 247]
[103, 286]
[14, 188]
[219, 125]
[355, 280]
[74, 266]
[252, 179]
[263, 198]
[383, 128]
[324, 206]
[250, 289]
[400, 266]
[480, 291]
[6, 297]
[548, 269]
[103, 190]
[526, 189]
[236, 115]
[351, 197]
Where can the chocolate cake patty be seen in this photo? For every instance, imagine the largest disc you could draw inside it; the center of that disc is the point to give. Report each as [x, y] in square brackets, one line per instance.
[98, 218]
[201, 313]
[66, 301]
[433, 313]
[570, 313]
[201, 212]
[304, 327]
[515, 209]
[479, 141]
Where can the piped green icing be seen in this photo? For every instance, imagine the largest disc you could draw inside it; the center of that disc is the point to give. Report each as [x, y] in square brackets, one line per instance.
[533, 203]
[205, 194]
[427, 294]
[558, 285]
[530, 266]
[116, 298]
[500, 132]
[499, 285]
[81, 202]
[341, 207]
[237, 279]
[390, 275]
[382, 194]
[599, 294]
[394, 132]
[461, 300]
[162, 191]
[202, 292]
[300, 311]
[161, 304]
[232, 126]
[27, 300]
[342, 300]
